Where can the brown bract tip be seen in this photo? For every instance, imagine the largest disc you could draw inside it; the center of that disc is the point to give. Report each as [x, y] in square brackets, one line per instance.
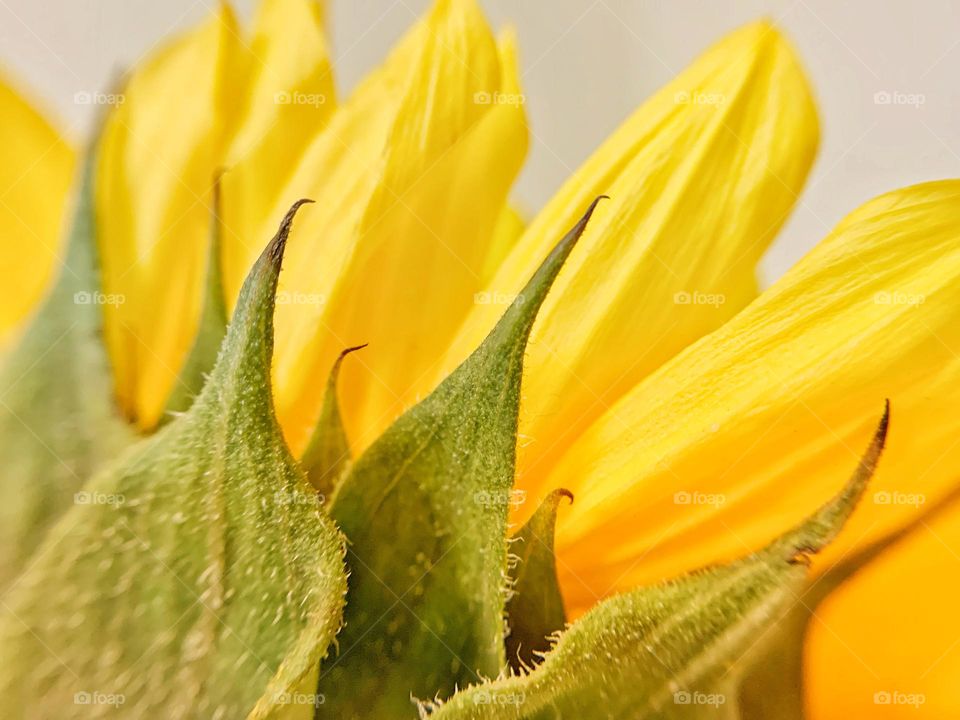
[559, 493]
[279, 242]
[335, 371]
[347, 351]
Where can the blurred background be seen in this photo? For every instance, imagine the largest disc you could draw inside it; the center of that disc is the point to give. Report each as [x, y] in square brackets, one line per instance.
[884, 71]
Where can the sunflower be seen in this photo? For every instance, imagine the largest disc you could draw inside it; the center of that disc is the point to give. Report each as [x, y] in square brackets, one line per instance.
[694, 418]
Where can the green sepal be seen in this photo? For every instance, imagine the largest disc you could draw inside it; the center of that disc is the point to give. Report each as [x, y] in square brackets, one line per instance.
[212, 326]
[535, 610]
[425, 512]
[58, 421]
[671, 650]
[327, 457]
[199, 577]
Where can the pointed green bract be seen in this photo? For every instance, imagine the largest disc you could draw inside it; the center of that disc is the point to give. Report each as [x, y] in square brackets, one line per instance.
[58, 422]
[425, 513]
[197, 576]
[672, 650]
[535, 609]
[773, 684]
[327, 456]
[212, 327]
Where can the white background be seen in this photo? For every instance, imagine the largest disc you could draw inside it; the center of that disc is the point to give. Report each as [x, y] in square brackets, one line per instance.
[587, 64]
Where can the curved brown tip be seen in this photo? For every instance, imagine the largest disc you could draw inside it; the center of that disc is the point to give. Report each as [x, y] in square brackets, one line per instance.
[593, 206]
[335, 370]
[347, 351]
[279, 242]
[881, 434]
[559, 493]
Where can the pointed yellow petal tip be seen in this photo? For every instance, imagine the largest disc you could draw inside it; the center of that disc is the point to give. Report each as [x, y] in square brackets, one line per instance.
[508, 43]
[411, 150]
[289, 100]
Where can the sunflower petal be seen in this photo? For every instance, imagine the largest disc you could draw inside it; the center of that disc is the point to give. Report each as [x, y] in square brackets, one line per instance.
[701, 177]
[746, 430]
[405, 181]
[159, 154]
[35, 177]
[290, 98]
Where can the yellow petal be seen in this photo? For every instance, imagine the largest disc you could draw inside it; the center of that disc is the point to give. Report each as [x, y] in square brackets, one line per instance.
[410, 178]
[894, 630]
[510, 226]
[35, 178]
[289, 100]
[749, 429]
[158, 156]
[701, 177]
